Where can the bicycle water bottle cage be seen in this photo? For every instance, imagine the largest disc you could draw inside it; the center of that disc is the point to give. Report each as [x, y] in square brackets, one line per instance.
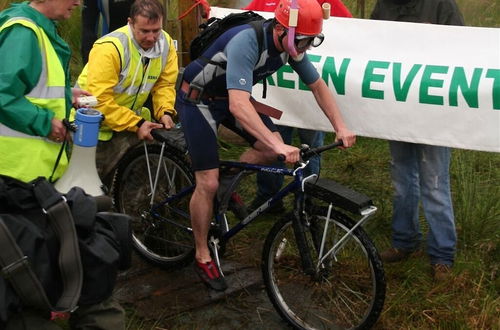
[341, 196]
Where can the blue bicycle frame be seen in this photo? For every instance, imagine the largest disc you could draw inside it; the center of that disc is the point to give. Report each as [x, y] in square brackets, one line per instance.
[220, 218]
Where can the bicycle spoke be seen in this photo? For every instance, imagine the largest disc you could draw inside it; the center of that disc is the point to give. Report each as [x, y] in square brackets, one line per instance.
[170, 178]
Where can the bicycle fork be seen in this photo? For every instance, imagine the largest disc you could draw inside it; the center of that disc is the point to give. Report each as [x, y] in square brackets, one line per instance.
[299, 226]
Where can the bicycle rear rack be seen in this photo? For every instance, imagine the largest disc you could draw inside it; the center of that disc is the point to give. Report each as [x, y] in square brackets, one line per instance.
[173, 138]
[341, 196]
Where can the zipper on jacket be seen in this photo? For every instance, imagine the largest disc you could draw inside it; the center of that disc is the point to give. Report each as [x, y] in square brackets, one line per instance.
[144, 67]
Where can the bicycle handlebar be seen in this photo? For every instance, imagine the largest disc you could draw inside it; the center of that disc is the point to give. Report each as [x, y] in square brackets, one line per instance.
[306, 152]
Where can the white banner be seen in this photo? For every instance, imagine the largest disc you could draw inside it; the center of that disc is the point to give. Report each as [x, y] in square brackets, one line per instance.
[424, 83]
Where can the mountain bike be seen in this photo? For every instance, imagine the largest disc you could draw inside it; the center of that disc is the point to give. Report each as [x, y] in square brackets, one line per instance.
[319, 267]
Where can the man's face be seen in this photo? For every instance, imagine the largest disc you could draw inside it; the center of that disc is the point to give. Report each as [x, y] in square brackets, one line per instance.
[146, 32]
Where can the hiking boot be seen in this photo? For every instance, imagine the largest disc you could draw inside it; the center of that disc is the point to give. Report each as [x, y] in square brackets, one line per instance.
[210, 275]
[277, 208]
[441, 272]
[237, 206]
[395, 255]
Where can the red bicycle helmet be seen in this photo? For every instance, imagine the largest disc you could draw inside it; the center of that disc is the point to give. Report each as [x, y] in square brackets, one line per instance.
[309, 20]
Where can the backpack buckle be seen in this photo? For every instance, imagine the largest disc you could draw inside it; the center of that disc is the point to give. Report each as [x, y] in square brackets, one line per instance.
[52, 203]
[194, 93]
[14, 267]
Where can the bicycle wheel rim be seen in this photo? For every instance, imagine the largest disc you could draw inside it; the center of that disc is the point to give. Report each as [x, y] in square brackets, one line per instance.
[164, 237]
[347, 294]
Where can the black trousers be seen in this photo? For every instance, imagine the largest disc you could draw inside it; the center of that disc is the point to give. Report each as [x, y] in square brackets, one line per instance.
[118, 12]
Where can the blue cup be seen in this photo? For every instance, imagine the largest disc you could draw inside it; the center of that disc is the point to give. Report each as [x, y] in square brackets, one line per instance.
[87, 123]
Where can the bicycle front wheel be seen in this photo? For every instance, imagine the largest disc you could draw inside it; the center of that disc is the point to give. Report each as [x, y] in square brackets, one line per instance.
[162, 235]
[346, 290]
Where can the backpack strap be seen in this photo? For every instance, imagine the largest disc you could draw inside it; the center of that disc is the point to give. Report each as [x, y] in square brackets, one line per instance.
[258, 26]
[70, 264]
[16, 268]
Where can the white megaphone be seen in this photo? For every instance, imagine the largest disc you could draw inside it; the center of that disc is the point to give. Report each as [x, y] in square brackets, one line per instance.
[82, 171]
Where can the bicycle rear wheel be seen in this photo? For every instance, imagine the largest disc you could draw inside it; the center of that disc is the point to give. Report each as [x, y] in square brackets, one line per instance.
[346, 291]
[162, 235]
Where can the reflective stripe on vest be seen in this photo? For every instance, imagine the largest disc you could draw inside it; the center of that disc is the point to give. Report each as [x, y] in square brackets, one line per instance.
[24, 156]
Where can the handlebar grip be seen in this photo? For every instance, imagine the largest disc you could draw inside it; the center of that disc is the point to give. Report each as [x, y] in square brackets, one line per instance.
[308, 153]
[338, 143]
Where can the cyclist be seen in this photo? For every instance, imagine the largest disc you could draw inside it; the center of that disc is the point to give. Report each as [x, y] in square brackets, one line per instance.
[124, 68]
[216, 88]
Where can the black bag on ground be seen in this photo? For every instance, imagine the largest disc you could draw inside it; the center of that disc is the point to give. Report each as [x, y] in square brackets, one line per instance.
[69, 264]
[214, 27]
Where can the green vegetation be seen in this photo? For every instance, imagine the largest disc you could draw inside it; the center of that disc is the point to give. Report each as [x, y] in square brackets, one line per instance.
[471, 299]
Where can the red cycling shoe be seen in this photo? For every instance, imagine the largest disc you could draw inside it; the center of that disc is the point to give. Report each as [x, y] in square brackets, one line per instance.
[210, 275]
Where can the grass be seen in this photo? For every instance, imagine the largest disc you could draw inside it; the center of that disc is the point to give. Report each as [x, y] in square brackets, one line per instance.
[471, 300]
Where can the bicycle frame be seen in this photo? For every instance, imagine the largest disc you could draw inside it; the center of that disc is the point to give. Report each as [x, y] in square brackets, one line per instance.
[220, 218]
[289, 188]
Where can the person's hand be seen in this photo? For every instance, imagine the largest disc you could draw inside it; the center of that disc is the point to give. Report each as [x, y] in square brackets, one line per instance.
[291, 153]
[167, 121]
[144, 132]
[76, 93]
[348, 138]
[57, 131]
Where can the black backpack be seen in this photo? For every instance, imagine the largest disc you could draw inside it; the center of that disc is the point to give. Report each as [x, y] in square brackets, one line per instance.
[214, 27]
[57, 251]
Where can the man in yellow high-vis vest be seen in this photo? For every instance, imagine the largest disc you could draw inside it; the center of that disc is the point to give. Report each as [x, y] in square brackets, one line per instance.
[124, 68]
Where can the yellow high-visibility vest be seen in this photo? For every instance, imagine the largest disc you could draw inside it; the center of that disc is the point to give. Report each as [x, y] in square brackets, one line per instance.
[26, 157]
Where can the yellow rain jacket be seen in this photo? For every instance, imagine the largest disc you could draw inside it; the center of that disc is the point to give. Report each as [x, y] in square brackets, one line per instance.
[121, 75]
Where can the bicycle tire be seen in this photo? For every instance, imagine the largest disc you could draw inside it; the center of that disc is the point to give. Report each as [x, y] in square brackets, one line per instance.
[167, 240]
[348, 293]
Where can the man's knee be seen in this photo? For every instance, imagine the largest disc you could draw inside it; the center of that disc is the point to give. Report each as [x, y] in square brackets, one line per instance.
[207, 182]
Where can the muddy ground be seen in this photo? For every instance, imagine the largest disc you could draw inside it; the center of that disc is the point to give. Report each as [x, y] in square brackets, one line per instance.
[176, 299]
